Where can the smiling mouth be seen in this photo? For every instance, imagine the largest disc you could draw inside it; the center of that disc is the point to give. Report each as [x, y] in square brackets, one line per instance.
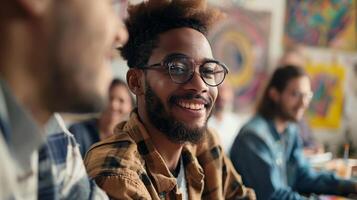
[190, 105]
[191, 102]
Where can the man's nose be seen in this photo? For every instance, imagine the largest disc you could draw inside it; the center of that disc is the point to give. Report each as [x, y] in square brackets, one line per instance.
[121, 36]
[305, 99]
[196, 83]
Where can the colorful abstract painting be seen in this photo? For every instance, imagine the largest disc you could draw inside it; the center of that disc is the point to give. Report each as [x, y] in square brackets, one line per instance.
[323, 23]
[241, 41]
[326, 107]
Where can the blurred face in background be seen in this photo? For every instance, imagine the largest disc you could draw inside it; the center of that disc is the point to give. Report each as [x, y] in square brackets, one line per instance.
[225, 97]
[117, 109]
[120, 104]
[293, 101]
[82, 38]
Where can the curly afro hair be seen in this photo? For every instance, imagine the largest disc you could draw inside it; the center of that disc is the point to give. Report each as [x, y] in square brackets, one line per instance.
[147, 20]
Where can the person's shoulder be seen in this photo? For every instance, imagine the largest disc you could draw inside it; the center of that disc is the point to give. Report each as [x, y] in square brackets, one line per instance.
[92, 122]
[209, 144]
[255, 125]
[117, 167]
[210, 138]
[114, 154]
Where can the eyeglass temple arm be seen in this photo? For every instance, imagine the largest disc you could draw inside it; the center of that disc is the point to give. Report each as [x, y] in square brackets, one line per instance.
[151, 66]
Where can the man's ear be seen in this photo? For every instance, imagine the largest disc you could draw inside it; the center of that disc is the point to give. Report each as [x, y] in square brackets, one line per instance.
[134, 79]
[274, 94]
[34, 8]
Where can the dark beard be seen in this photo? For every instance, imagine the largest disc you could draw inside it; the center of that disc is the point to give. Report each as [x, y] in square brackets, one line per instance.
[174, 130]
[65, 97]
[280, 111]
[64, 92]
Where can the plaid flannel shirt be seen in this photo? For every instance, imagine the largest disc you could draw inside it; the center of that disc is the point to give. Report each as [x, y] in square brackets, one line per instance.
[20, 138]
[38, 167]
[62, 174]
[127, 166]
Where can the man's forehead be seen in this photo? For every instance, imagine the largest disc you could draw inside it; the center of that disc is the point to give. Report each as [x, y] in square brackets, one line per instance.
[186, 41]
[302, 82]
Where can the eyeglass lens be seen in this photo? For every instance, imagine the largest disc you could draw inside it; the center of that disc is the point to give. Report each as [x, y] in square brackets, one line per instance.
[181, 70]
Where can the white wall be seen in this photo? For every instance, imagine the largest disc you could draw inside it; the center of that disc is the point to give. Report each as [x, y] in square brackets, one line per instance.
[120, 68]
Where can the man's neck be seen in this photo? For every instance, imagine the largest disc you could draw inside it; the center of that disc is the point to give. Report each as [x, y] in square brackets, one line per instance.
[16, 70]
[31, 101]
[169, 151]
[280, 124]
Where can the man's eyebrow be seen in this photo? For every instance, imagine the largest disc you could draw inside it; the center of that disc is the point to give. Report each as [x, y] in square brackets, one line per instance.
[208, 59]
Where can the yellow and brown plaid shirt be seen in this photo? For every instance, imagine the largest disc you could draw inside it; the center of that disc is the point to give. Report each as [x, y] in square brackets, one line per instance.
[127, 166]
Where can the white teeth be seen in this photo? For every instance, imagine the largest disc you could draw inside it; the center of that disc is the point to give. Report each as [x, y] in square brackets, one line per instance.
[192, 106]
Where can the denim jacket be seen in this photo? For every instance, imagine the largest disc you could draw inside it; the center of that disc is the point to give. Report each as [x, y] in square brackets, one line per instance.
[273, 164]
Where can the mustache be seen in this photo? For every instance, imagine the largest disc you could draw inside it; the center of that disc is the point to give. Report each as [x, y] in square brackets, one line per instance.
[190, 96]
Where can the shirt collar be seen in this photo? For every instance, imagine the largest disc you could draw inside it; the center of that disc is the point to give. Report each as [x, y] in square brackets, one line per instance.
[155, 164]
[286, 134]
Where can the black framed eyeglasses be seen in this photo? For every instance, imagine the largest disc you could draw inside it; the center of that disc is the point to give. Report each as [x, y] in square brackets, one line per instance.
[181, 69]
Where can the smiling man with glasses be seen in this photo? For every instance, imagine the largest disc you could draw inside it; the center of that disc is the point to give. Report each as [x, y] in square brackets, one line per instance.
[165, 151]
[268, 151]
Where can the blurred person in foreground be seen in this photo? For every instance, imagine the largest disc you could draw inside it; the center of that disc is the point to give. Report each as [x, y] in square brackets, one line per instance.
[224, 120]
[118, 108]
[54, 56]
[268, 151]
[164, 150]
